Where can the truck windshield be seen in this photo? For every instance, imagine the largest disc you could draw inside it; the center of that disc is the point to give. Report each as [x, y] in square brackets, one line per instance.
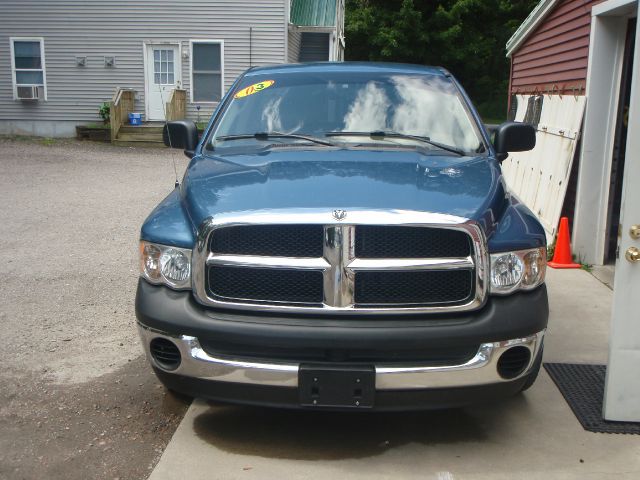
[346, 107]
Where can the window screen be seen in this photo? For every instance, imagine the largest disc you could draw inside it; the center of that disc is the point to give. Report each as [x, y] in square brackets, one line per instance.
[206, 71]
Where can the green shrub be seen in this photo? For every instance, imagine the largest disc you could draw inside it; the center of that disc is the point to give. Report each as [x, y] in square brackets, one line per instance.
[105, 111]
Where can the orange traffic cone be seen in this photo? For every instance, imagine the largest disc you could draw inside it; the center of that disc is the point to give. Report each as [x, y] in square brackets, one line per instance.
[562, 255]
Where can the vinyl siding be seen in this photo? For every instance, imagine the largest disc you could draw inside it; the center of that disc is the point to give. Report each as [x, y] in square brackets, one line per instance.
[295, 39]
[555, 55]
[118, 28]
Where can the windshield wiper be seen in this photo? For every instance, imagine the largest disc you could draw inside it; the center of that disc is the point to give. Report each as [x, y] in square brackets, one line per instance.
[268, 135]
[386, 134]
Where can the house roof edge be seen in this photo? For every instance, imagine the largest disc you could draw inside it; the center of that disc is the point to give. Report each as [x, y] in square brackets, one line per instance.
[535, 18]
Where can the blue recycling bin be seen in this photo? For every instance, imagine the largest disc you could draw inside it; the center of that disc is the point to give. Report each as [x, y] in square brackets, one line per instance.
[135, 119]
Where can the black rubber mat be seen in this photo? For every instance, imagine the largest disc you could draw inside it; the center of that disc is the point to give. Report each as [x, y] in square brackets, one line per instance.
[582, 386]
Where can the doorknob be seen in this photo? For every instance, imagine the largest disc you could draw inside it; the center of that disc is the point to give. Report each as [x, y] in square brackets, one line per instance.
[634, 231]
[632, 255]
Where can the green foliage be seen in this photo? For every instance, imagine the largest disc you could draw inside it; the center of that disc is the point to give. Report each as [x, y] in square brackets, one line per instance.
[105, 111]
[467, 37]
[550, 251]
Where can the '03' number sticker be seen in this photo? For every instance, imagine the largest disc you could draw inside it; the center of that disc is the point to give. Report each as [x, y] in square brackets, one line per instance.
[255, 88]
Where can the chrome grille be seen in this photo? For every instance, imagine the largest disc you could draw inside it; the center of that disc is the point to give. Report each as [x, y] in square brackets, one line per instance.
[272, 261]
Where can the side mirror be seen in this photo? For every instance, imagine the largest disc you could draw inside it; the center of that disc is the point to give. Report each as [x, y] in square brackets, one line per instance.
[513, 137]
[181, 134]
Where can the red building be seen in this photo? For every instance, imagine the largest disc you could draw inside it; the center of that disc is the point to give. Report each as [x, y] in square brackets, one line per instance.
[554, 69]
[550, 50]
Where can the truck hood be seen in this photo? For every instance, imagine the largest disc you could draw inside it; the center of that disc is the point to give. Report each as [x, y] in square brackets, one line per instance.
[469, 187]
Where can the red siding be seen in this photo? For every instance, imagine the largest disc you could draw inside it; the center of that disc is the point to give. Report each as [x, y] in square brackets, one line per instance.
[554, 57]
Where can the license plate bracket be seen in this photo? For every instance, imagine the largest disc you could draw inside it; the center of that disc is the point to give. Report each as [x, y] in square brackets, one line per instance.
[322, 385]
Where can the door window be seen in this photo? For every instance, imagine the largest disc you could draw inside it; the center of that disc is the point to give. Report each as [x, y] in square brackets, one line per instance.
[163, 69]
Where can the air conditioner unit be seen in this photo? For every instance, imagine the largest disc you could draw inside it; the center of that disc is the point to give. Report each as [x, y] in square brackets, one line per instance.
[29, 93]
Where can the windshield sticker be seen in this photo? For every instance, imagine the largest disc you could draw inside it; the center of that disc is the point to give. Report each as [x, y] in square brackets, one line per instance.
[255, 88]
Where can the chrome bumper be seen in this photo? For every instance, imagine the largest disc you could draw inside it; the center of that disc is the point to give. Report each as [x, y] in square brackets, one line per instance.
[480, 370]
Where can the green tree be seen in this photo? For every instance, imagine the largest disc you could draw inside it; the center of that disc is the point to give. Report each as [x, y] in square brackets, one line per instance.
[467, 37]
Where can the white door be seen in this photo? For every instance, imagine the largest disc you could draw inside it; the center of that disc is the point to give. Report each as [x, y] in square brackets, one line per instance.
[622, 390]
[163, 75]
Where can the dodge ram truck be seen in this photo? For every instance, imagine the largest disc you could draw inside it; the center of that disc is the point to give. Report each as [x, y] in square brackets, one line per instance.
[343, 238]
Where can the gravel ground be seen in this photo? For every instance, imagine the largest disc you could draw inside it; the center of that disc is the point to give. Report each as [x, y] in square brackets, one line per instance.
[77, 400]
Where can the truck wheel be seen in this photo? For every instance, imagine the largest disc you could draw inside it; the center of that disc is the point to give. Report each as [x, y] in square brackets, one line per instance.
[535, 370]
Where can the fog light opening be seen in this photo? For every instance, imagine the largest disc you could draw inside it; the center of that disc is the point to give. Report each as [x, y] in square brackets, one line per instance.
[513, 362]
[165, 353]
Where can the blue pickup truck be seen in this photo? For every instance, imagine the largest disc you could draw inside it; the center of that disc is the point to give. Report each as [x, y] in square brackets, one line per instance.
[343, 238]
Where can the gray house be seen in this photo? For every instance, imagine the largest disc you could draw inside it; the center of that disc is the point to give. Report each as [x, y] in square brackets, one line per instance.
[61, 59]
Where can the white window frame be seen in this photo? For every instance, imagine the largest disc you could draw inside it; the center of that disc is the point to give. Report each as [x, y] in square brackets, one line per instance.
[12, 40]
[196, 40]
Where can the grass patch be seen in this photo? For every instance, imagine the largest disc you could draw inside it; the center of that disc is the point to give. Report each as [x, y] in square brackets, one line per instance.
[46, 141]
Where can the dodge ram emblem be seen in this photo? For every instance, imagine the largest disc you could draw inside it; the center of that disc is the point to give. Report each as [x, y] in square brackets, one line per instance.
[339, 214]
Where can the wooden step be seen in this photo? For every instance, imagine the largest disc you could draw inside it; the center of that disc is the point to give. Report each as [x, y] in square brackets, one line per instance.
[138, 143]
[153, 128]
[140, 136]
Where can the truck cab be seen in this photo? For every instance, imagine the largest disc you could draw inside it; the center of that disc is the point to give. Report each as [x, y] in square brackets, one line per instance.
[343, 238]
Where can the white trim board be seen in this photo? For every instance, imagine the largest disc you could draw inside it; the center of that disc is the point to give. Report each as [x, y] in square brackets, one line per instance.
[607, 42]
[535, 18]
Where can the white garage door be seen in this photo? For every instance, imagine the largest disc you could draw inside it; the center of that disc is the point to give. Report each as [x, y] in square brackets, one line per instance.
[539, 177]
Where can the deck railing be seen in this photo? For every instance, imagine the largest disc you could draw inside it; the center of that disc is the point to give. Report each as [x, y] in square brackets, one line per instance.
[176, 104]
[122, 104]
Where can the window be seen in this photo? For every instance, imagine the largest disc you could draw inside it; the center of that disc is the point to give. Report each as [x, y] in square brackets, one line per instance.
[534, 110]
[28, 69]
[163, 68]
[421, 104]
[513, 108]
[207, 71]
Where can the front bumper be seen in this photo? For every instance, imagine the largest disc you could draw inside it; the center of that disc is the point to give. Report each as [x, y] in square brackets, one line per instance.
[480, 370]
[505, 322]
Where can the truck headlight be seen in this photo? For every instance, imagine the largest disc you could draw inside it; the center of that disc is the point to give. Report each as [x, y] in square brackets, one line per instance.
[519, 270]
[162, 264]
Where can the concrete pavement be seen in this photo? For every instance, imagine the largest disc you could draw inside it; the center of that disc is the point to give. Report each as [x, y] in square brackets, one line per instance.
[532, 436]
